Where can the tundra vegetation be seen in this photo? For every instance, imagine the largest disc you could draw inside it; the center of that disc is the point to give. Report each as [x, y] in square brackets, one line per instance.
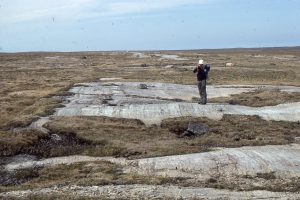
[34, 84]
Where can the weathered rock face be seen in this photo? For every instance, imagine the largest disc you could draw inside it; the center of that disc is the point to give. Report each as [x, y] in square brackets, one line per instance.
[32, 162]
[283, 160]
[161, 101]
[158, 90]
[226, 162]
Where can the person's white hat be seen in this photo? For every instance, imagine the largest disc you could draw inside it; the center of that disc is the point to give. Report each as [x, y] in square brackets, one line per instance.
[201, 62]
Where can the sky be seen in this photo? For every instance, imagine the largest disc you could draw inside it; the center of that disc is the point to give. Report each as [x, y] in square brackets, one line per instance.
[109, 25]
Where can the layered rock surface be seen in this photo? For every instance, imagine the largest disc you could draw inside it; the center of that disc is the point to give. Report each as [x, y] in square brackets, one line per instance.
[283, 161]
[227, 162]
[161, 101]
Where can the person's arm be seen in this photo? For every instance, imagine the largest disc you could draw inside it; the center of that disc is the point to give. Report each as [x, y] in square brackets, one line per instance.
[207, 68]
[195, 70]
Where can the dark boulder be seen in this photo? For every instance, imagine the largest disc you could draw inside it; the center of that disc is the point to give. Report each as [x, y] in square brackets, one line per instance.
[195, 129]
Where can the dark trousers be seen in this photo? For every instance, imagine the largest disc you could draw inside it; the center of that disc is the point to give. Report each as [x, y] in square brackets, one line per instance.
[202, 91]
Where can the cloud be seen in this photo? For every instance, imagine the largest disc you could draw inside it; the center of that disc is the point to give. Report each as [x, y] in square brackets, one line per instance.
[126, 7]
[15, 11]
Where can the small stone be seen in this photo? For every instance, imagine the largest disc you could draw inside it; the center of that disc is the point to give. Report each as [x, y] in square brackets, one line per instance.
[143, 86]
[229, 65]
[169, 66]
[55, 137]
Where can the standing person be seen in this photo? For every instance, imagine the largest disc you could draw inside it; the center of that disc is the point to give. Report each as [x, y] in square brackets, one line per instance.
[202, 74]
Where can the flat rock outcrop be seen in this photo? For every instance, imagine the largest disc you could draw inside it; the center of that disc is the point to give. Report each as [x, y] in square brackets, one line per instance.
[283, 160]
[161, 101]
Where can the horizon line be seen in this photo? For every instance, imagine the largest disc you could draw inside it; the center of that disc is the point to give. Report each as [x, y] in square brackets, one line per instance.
[155, 50]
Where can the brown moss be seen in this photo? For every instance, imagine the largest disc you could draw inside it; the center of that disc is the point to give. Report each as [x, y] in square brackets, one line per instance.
[130, 138]
[259, 98]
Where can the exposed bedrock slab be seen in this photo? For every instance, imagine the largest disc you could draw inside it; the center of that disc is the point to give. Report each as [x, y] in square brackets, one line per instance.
[155, 113]
[170, 91]
[32, 162]
[39, 124]
[170, 57]
[283, 160]
[160, 101]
